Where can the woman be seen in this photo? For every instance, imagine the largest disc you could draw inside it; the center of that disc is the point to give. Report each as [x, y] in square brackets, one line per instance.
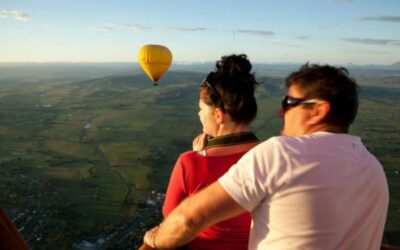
[227, 106]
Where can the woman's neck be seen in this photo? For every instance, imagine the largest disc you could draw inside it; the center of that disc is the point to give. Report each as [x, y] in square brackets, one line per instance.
[231, 144]
[225, 129]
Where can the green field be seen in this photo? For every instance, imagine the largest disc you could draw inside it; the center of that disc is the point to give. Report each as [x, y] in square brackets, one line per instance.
[378, 123]
[85, 156]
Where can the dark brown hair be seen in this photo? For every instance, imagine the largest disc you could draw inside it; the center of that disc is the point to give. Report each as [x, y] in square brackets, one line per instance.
[231, 87]
[332, 84]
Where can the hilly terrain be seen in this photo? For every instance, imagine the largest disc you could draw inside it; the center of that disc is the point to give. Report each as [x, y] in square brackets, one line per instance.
[85, 154]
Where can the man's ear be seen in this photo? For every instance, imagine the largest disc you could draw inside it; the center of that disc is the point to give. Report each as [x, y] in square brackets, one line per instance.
[219, 115]
[320, 110]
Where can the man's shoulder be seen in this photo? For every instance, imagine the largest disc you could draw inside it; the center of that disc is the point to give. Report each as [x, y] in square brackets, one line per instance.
[286, 142]
[311, 137]
[276, 140]
[269, 146]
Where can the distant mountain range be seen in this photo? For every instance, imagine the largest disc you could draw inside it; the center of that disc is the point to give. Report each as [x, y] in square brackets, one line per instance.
[369, 74]
[396, 64]
[283, 69]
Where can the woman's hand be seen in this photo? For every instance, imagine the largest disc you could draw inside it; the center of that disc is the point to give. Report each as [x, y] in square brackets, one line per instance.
[150, 237]
[145, 247]
[200, 142]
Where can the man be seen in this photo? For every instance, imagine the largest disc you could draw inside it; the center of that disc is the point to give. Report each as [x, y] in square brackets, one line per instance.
[314, 187]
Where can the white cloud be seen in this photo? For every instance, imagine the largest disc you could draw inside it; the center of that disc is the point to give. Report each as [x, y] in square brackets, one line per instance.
[188, 29]
[17, 15]
[395, 19]
[137, 27]
[255, 32]
[371, 41]
[104, 28]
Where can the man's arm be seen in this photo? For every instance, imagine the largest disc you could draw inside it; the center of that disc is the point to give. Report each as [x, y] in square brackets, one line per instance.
[207, 207]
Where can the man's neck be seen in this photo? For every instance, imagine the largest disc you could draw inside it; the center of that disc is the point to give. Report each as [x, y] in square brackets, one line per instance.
[325, 128]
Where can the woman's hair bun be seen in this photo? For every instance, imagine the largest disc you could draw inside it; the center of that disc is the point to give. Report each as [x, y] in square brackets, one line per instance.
[234, 65]
[231, 87]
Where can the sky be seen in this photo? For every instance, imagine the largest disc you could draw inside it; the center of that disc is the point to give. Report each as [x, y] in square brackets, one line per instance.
[268, 31]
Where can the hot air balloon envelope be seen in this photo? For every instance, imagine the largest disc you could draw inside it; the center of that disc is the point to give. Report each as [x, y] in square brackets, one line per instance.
[155, 61]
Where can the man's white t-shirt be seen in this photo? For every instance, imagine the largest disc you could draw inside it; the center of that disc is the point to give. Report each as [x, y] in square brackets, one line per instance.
[318, 191]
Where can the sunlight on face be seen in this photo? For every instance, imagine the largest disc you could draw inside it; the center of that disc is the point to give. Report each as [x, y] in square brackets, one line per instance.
[207, 118]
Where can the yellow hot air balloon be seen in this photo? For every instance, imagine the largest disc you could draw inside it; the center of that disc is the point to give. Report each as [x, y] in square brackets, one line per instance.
[155, 61]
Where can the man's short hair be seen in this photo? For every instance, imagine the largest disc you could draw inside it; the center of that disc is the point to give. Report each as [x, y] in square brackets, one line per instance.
[332, 84]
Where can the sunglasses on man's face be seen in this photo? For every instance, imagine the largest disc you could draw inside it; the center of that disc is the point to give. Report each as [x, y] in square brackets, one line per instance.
[289, 102]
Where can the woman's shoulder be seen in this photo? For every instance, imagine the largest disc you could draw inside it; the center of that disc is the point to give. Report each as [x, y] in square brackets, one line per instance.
[189, 154]
[190, 157]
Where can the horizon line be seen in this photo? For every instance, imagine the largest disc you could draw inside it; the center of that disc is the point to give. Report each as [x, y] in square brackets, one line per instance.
[186, 63]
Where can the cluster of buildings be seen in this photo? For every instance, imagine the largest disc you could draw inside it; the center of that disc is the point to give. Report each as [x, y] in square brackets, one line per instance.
[128, 235]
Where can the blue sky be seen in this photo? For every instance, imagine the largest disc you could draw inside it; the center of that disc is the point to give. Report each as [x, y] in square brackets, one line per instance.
[269, 31]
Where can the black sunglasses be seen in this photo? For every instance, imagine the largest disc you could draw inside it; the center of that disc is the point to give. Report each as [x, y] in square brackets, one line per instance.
[289, 102]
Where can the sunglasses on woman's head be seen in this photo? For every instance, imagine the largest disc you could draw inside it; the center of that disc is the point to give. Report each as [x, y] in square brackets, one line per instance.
[211, 87]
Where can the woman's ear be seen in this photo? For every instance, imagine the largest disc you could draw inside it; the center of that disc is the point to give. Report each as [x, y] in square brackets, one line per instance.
[319, 112]
[219, 115]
